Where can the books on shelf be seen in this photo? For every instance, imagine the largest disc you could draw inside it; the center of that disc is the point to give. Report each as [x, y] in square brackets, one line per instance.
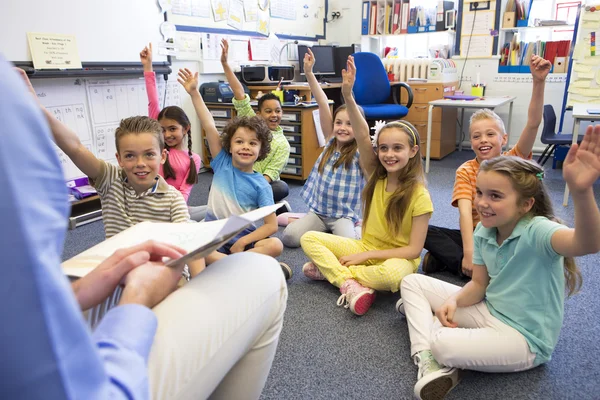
[393, 17]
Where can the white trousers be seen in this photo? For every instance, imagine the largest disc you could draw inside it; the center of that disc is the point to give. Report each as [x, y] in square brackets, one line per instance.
[217, 335]
[312, 222]
[481, 342]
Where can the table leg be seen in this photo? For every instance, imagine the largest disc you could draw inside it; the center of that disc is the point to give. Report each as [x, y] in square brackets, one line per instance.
[575, 134]
[462, 128]
[428, 151]
[510, 107]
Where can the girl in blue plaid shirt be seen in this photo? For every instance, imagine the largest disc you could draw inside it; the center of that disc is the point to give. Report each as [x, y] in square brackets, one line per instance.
[396, 208]
[332, 190]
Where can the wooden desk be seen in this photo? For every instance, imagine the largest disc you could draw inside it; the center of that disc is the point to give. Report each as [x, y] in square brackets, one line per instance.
[298, 127]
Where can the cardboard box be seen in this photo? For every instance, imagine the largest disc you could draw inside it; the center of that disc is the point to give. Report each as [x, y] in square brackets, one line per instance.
[509, 19]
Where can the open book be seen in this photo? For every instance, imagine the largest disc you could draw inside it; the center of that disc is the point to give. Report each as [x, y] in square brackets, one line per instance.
[199, 239]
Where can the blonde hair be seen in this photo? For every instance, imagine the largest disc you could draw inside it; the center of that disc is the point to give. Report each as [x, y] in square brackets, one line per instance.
[526, 178]
[347, 151]
[410, 177]
[137, 125]
[485, 113]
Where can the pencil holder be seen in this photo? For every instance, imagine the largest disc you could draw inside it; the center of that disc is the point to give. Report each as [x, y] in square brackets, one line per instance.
[477, 91]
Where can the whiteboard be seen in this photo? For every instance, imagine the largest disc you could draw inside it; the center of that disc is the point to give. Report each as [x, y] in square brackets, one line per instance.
[93, 108]
[300, 20]
[106, 30]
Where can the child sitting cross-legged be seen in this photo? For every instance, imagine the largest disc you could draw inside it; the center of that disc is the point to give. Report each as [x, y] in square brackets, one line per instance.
[508, 317]
[236, 188]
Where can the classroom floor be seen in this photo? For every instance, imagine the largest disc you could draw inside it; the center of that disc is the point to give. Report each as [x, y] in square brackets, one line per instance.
[326, 352]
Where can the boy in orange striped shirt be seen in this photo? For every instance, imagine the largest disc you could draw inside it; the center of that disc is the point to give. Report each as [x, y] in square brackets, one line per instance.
[452, 249]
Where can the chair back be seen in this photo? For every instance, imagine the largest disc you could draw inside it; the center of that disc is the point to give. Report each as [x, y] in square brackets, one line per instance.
[372, 85]
[549, 129]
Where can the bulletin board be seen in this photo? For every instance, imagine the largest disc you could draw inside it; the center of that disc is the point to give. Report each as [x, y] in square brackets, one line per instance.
[477, 34]
[288, 19]
[584, 78]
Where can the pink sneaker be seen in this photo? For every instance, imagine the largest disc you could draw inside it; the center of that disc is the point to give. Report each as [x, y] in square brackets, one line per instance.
[356, 297]
[311, 271]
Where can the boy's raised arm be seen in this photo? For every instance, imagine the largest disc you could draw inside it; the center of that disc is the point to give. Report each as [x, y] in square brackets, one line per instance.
[189, 82]
[234, 83]
[325, 116]
[539, 71]
[67, 140]
[368, 159]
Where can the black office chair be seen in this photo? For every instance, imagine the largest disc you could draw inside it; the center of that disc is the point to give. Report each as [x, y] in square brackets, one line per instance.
[550, 137]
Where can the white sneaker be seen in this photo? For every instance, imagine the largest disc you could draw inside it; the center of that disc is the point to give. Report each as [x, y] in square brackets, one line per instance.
[400, 307]
[434, 381]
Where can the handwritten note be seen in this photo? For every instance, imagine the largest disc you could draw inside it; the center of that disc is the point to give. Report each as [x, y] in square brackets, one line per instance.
[53, 51]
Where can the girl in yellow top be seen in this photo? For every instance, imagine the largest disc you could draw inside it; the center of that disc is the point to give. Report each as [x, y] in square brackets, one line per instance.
[396, 209]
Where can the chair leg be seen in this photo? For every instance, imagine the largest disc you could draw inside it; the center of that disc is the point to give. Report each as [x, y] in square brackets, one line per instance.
[550, 152]
[543, 154]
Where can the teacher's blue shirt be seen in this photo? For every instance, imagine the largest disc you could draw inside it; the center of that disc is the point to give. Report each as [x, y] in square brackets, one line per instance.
[47, 352]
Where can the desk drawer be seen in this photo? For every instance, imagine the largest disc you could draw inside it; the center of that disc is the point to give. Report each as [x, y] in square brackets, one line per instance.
[294, 162]
[291, 128]
[296, 149]
[418, 113]
[425, 94]
[221, 123]
[439, 149]
[445, 135]
[220, 112]
[292, 170]
[294, 139]
[290, 116]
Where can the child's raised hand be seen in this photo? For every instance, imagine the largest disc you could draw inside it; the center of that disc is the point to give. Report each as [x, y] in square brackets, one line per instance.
[224, 51]
[348, 77]
[188, 80]
[309, 61]
[540, 68]
[146, 55]
[26, 80]
[581, 168]
[446, 313]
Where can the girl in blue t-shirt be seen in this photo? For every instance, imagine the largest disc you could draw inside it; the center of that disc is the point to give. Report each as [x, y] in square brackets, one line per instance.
[332, 190]
[509, 316]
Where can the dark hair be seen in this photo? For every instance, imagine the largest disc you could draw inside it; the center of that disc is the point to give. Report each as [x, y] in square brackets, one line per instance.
[177, 114]
[137, 125]
[347, 151]
[255, 124]
[525, 177]
[265, 97]
[410, 177]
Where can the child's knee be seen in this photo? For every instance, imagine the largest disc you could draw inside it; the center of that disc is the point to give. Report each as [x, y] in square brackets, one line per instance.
[308, 238]
[290, 239]
[444, 350]
[275, 247]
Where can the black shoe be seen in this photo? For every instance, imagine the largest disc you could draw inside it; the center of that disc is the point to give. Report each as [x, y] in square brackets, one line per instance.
[431, 265]
[283, 209]
[287, 271]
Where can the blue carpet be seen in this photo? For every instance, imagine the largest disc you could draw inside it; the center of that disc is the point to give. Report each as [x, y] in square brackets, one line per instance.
[326, 352]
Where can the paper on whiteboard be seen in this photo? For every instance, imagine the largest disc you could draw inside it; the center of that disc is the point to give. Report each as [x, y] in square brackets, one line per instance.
[235, 18]
[263, 23]
[318, 129]
[188, 44]
[200, 8]
[211, 47]
[251, 10]
[259, 48]
[181, 7]
[285, 9]
[219, 8]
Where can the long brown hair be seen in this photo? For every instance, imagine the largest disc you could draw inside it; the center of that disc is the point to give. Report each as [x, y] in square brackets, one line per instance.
[347, 151]
[177, 114]
[410, 177]
[526, 178]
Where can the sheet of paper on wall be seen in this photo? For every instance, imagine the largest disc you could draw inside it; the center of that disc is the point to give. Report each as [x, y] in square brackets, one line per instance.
[275, 47]
[484, 22]
[318, 129]
[238, 49]
[590, 60]
[478, 45]
[188, 44]
[211, 46]
[285, 9]
[582, 68]
[181, 7]
[586, 75]
[200, 8]
[263, 23]
[260, 50]
[251, 10]
[590, 25]
[588, 92]
[591, 17]
[53, 51]
[581, 83]
[219, 8]
[235, 17]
